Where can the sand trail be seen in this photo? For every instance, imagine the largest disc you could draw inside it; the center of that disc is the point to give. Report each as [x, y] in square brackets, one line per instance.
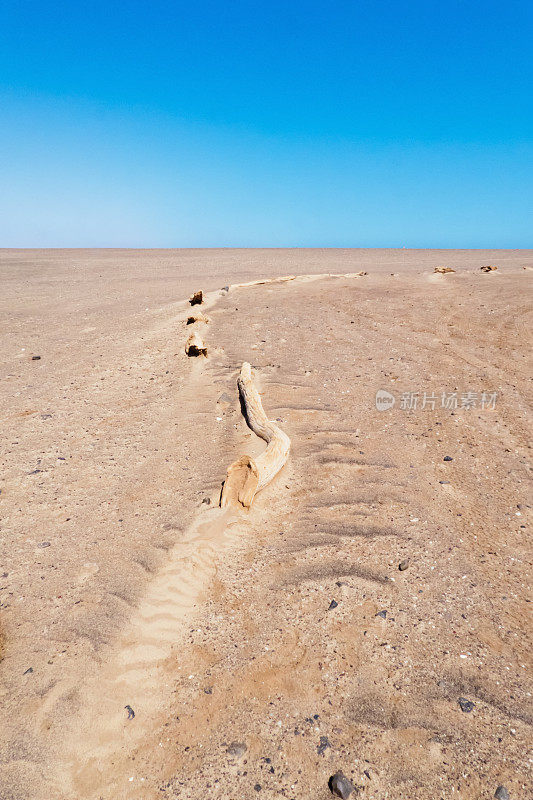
[97, 759]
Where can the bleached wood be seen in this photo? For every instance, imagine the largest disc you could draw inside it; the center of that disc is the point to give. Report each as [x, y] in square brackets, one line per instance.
[247, 475]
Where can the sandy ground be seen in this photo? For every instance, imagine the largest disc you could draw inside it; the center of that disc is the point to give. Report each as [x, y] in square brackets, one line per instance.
[263, 651]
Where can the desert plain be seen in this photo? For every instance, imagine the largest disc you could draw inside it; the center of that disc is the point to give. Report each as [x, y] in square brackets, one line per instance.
[369, 614]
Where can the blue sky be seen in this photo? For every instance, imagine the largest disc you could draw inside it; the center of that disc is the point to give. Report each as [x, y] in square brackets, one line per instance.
[239, 123]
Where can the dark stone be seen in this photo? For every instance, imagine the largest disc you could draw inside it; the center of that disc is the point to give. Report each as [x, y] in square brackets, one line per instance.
[501, 793]
[43, 544]
[324, 744]
[36, 358]
[131, 712]
[206, 500]
[382, 614]
[257, 787]
[403, 564]
[196, 299]
[444, 482]
[237, 749]
[466, 705]
[333, 604]
[28, 671]
[208, 690]
[225, 288]
[340, 785]
[447, 458]
[35, 472]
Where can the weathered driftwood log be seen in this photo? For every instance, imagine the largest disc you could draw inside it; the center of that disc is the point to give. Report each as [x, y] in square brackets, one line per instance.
[247, 476]
[196, 298]
[195, 345]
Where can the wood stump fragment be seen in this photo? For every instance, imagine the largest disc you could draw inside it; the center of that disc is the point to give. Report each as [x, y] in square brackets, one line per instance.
[247, 475]
[196, 298]
[195, 346]
[198, 317]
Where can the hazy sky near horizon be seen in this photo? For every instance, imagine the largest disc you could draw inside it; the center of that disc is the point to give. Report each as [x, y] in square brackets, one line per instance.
[266, 123]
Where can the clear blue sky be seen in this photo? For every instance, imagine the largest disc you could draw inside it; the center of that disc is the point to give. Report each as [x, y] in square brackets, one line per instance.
[239, 123]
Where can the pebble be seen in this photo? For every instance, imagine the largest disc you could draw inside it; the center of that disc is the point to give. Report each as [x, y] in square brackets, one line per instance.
[501, 793]
[28, 671]
[131, 712]
[340, 785]
[382, 614]
[225, 288]
[447, 458]
[257, 787]
[333, 604]
[206, 500]
[324, 744]
[444, 482]
[43, 544]
[237, 749]
[36, 358]
[466, 705]
[403, 564]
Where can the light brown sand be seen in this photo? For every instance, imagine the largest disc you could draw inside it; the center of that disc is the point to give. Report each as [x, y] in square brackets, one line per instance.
[215, 627]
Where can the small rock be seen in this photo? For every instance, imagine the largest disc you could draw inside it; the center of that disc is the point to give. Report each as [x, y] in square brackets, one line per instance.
[501, 793]
[208, 690]
[444, 482]
[382, 614]
[403, 564]
[257, 787]
[28, 671]
[333, 604]
[131, 712]
[43, 544]
[324, 744]
[237, 749]
[206, 500]
[466, 705]
[36, 358]
[225, 288]
[447, 458]
[340, 785]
